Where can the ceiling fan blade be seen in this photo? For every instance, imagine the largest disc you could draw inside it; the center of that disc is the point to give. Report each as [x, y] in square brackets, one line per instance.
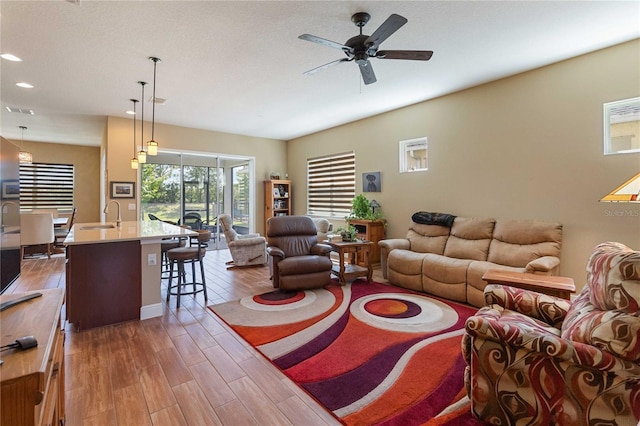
[415, 55]
[325, 42]
[368, 76]
[330, 64]
[388, 27]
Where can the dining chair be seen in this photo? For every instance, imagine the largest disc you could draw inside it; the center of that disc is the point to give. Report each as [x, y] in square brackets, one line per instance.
[36, 229]
[61, 233]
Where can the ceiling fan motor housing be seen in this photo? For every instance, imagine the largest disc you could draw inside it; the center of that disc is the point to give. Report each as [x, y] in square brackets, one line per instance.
[362, 47]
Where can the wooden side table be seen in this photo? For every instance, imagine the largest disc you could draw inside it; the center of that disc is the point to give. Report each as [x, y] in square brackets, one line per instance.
[352, 250]
[548, 284]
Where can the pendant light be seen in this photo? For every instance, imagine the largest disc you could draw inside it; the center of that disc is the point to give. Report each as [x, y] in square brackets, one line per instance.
[134, 160]
[25, 157]
[152, 145]
[142, 154]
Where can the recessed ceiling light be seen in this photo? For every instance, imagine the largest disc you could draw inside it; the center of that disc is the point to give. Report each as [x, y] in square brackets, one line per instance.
[20, 110]
[130, 112]
[10, 57]
[24, 85]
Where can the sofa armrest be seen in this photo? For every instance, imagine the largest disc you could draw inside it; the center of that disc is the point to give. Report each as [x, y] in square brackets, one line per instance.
[486, 325]
[321, 249]
[547, 265]
[246, 242]
[395, 243]
[275, 252]
[247, 236]
[385, 248]
[548, 309]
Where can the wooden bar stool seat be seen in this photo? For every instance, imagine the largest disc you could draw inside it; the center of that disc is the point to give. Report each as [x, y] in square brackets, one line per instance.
[180, 256]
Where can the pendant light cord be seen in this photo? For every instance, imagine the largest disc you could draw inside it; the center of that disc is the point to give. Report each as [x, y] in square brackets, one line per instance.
[142, 83]
[22, 128]
[134, 127]
[153, 106]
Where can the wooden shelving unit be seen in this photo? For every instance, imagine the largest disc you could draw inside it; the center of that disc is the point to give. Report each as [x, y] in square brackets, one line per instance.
[277, 199]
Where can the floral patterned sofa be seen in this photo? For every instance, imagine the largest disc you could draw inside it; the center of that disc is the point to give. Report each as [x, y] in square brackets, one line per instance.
[538, 360]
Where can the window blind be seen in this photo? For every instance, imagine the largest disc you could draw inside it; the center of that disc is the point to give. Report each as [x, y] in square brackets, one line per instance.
[331, 184]
[46, 186]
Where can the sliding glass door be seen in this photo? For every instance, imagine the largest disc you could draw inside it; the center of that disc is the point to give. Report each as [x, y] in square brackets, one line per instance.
[193, 189]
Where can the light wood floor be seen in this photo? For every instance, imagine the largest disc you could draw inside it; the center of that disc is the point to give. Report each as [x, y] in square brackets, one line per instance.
[184, 368]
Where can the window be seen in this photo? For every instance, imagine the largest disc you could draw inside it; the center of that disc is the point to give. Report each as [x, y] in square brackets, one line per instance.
[331, 184]
[622, 126]
[46, 186]
[413, 155]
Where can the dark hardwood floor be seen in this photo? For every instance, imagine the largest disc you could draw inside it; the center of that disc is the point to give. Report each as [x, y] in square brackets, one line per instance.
[184, 368]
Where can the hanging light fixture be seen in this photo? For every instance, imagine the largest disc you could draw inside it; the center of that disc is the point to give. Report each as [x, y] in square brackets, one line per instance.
[25, 156]
[142, 154]
[152, 145]
[134, 160]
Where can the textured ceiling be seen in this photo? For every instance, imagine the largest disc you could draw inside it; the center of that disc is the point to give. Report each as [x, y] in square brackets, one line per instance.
[236, 66]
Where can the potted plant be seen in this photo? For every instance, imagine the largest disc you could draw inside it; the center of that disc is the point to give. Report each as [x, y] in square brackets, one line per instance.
[361, 209]
[348, 234]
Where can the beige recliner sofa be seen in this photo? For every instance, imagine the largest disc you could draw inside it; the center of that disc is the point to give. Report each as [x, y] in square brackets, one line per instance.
[449, 261]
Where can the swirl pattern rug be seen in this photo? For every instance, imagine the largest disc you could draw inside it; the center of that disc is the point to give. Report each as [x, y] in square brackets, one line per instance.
[370, 353]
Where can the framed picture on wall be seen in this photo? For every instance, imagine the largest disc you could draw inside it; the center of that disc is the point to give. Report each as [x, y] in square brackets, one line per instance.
[371, 182]
[123, 190]
[11, 189]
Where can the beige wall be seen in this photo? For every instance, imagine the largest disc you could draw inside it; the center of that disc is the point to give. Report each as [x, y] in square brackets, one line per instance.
[86, 161]
[270, 154]
[528, 146]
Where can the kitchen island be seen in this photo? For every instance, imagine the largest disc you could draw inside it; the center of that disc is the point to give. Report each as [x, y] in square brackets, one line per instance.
[113, 271]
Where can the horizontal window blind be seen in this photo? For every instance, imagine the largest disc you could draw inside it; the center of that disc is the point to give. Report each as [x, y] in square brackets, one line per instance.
[46, 186]
[331, 184]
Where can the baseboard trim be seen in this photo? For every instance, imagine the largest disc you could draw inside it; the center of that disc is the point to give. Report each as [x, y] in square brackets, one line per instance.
[151, 311]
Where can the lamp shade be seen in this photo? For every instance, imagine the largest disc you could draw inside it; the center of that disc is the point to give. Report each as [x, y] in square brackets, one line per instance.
[25, 157]
[152, 147]
[628, 192]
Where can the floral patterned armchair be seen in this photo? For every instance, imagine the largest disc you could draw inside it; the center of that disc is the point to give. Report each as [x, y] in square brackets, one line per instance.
[537, 360]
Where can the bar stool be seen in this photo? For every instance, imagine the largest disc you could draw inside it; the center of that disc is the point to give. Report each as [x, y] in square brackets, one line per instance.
[165, 246]
[179, 257]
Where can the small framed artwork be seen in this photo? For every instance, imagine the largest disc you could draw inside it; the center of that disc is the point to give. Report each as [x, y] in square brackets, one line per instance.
[123, 190]
[11, 189]
[276, 192]
[371, 182]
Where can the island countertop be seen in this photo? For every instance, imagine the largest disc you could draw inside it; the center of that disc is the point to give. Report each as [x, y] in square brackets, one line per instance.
[106, 232]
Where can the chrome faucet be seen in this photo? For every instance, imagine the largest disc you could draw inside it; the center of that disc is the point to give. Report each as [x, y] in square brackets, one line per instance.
[119, 220]
[6, 203]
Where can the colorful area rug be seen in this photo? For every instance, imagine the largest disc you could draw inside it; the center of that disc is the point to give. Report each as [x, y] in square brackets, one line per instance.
[369, 352]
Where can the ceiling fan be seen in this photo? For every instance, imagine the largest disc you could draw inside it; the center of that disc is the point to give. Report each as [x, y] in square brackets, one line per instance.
[362, 47]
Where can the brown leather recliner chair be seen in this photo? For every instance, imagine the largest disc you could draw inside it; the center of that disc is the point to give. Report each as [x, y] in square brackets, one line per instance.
[296, 260]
